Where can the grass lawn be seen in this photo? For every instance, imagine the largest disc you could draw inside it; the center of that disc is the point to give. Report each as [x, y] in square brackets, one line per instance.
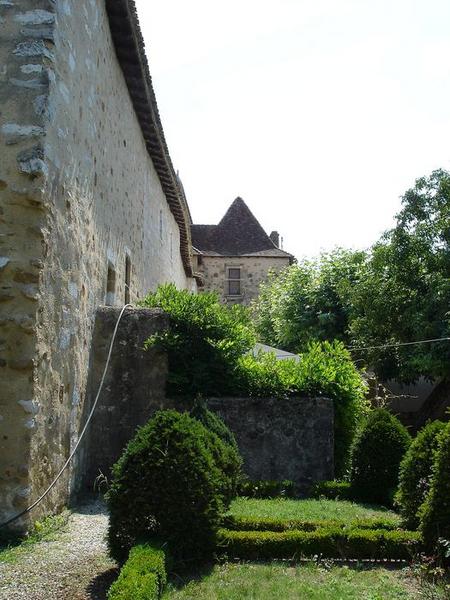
[253, 581]
[309, 510]
[45, 530]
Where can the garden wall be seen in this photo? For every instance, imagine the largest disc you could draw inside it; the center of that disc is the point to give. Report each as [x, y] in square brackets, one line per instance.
[134, 387]
[282, 439]
[279, 439]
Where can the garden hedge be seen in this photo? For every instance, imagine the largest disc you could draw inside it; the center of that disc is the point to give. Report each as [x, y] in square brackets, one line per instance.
[268, 524]
[326, 543]
[415, 473]
[332, 490]
[264, 488]
[376, 455]
[435, 511]
[142, 577]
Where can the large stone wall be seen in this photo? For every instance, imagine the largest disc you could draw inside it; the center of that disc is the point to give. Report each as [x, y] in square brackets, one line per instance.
[282, 439]
[134, 387]
[279, 439]
[254, 270]
[79, 194]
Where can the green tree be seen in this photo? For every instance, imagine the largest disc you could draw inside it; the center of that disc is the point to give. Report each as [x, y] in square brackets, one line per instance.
[397, 293]
[405, 294]
[309, 301]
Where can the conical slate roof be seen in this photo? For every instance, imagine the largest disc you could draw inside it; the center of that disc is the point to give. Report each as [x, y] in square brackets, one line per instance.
[237, 234]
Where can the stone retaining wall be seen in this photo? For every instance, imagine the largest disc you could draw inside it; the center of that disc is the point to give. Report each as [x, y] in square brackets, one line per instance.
[282, 439]
[134, 387]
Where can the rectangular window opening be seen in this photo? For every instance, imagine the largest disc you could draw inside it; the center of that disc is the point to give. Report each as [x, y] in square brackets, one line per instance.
[234, 281]
[110, 286]
[127, 279]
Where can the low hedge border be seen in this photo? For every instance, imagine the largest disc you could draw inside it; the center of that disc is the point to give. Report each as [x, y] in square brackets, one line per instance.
[264, 488]
[268, 524]
[142, 577]
[326, 543]
[332, 490]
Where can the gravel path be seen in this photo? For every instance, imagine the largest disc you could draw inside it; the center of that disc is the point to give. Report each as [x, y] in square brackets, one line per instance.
[74, 565]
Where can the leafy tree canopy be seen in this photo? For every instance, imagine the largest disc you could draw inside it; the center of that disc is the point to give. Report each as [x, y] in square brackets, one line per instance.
[310, 300]
[397, 292]
[405, 295]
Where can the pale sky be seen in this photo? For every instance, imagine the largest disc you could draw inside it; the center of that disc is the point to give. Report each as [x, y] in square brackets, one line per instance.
[319, 113]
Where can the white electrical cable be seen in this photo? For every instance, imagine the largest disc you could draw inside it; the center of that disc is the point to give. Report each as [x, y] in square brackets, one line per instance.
[395, 345]
[63, 468]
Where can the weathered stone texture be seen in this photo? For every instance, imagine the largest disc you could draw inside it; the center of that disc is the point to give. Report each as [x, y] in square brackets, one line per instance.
[23, 221]
[79, 193]
[133, 390]
[254, 271]
[282, 439]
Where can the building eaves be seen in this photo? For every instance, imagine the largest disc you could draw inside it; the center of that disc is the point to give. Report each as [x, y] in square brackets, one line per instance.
[129, 46]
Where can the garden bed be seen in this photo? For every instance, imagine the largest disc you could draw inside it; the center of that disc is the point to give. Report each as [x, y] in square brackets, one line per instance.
[294, 529]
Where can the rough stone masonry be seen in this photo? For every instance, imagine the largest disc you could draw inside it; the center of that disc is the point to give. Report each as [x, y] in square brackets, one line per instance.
[91, 212]
[278, 438]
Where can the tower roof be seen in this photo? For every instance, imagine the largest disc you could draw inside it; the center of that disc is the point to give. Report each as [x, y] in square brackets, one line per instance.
[237, 234]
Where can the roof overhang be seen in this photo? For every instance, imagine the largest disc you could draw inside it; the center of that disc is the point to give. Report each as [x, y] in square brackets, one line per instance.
[129, 45]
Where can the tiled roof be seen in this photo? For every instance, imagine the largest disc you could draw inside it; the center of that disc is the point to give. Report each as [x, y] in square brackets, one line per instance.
[129, 46]
[237, 234]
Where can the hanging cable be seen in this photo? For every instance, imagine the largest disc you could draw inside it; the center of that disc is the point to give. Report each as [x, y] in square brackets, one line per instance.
[395, 345]
[71, 455]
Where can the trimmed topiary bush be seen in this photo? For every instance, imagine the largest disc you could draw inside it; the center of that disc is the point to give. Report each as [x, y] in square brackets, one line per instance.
[415, 472]
[435, 511]
[213, 422]
[169, 483]
[378, 450]
[142, 577]
[226, 454]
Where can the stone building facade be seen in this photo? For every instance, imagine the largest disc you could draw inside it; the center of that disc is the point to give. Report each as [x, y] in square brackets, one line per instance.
[234, 257]
[91, 213]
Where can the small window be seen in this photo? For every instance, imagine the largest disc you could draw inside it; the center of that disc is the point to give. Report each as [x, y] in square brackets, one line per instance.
[110, 286]
[161, 225]
[234, 281]
[127, 279]
[171, 246]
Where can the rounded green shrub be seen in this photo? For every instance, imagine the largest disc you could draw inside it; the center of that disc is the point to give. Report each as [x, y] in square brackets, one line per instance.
[415, 472]
[435, 511]
[225, 453]
[213, 422]
[169, 484]
[377, 452]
